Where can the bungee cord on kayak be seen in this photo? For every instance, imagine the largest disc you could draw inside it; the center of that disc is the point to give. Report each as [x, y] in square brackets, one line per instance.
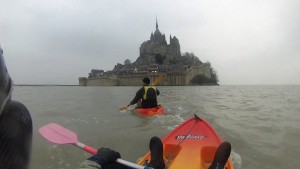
[172, 152]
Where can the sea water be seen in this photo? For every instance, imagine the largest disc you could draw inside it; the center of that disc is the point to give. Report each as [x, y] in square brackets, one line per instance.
[260, 122]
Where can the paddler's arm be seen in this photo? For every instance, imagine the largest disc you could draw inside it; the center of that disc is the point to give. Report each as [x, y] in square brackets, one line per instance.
[138, 96]
[157, 92]
[103, 157]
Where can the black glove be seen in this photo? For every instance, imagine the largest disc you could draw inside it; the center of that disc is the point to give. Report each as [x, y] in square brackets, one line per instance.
[105, 156]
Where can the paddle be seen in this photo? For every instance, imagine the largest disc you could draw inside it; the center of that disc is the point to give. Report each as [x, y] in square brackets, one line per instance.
[156, 81]
[124, 107]
[60, 135]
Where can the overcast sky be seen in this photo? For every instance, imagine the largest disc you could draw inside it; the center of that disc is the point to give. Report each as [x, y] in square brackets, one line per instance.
[56, 41]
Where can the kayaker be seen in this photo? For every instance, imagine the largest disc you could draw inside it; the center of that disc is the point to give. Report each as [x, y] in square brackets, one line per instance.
[15, 125]
[146, 96]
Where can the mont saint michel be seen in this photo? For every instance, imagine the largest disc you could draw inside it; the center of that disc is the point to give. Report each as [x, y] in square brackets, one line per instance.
[156, 58]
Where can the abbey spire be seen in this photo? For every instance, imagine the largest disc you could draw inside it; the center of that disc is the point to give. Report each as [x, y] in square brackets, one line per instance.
[156, 24]
[157, 32]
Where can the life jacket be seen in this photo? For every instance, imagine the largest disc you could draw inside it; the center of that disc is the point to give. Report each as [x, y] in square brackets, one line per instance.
[150, 93]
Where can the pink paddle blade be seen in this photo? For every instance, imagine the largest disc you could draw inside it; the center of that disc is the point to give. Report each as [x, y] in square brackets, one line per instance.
[58, 134]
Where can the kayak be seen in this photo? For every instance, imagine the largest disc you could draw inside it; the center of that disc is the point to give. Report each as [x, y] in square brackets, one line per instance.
[191, 145]
[150, 111]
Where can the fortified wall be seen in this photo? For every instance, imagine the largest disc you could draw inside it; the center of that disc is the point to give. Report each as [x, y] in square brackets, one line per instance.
[136, 80]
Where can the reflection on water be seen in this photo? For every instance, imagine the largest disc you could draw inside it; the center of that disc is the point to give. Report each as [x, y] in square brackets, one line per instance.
[261, 122]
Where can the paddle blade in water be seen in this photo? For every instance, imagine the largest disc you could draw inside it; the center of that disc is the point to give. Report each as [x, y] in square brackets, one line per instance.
[124, 108]
[58, 134]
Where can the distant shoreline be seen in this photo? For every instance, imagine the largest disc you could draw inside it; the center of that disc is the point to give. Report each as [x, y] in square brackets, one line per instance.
[42, 85]
[160, 86]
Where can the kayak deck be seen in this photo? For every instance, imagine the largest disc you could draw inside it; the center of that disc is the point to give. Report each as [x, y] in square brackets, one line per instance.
[150, 111]
[192, 145]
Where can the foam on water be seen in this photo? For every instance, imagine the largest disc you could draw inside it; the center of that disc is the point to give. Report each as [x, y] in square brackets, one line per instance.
[169, 122]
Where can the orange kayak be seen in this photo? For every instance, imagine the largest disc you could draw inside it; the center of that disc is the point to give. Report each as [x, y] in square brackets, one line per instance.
[191, 145]
[150, 111]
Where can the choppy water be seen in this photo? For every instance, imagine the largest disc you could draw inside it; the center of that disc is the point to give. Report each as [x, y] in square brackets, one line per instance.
[261, 122]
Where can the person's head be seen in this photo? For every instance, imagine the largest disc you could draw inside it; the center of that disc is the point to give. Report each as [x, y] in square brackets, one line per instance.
[5, 84]
[146, 81]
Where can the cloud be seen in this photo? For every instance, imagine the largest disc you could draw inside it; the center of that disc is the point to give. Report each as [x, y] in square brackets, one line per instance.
[55, 42]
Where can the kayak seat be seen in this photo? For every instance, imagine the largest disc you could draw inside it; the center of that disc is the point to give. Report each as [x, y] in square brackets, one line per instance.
[171, 151]
[207, 155]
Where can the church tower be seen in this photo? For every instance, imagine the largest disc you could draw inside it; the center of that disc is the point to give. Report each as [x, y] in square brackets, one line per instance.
[157, 45]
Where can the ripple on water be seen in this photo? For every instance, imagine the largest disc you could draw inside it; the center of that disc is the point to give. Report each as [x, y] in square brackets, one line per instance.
[169, 122]
[236, 159]
[261, 122]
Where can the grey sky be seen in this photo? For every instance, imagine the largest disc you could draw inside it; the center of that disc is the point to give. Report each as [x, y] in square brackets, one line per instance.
[57, 41]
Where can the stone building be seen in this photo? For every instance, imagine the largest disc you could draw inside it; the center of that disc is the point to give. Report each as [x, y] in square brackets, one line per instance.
[157, 45]
[96, 73]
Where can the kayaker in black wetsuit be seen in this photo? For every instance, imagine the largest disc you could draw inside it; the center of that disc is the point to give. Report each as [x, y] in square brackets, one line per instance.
[146, 96]
[15, 126]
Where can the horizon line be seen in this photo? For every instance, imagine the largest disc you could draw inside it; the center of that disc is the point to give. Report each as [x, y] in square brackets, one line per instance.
[159, 85]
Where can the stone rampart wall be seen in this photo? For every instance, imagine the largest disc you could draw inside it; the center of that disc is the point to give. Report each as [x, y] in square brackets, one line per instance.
[203, 69]
[102, 82]
[136, 79]
[82, 81]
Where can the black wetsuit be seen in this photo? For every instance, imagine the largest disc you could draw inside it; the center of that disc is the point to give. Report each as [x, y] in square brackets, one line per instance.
[15, 136]
[151, 98]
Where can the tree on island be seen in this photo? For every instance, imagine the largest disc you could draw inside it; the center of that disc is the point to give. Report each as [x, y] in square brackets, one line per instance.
[190, 59]
[214, 76]
[127, 62]
[203, 80]
[186, 58]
